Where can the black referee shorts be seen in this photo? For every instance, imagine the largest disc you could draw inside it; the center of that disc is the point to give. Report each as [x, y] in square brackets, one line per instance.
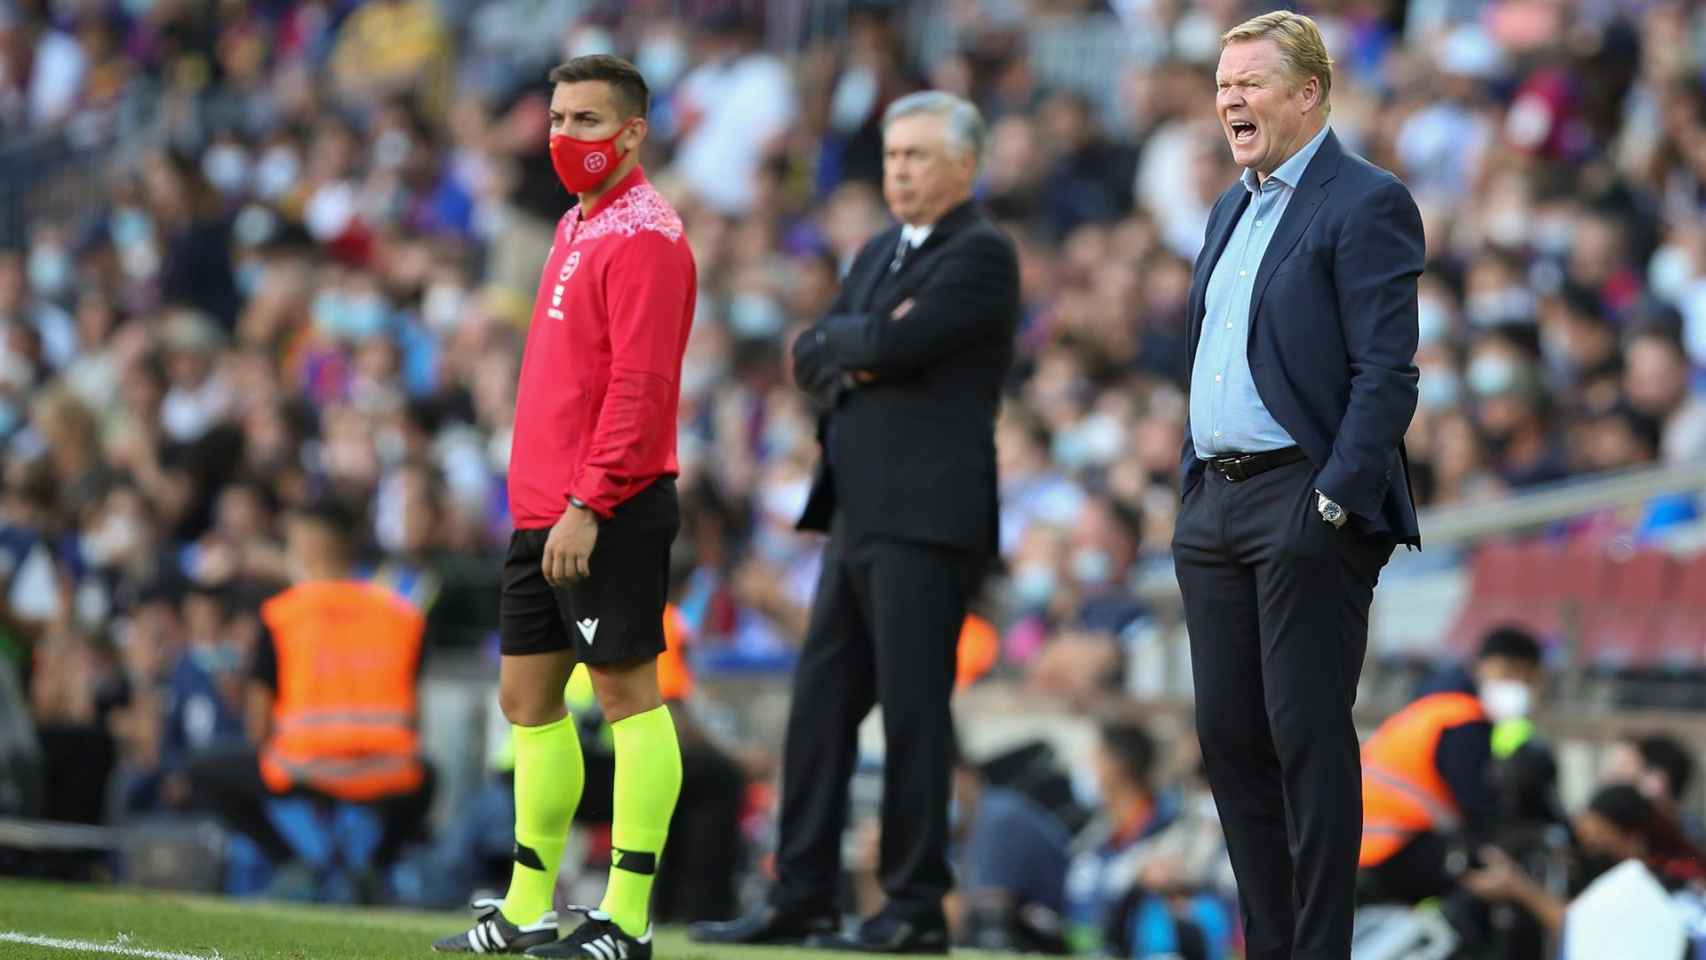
[615, 614]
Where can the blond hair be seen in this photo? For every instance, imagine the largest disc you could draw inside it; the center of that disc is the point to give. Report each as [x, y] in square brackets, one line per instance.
[1300, 43]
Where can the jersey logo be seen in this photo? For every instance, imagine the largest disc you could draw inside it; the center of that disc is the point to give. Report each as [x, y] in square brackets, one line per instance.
[589, 629]
[555, 311]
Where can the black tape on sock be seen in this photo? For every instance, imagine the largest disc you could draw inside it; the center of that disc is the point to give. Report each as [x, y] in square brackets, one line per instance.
[528, 857]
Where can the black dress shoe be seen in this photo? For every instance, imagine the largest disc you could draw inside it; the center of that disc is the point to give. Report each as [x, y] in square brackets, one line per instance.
[766, 924]
[891, 933]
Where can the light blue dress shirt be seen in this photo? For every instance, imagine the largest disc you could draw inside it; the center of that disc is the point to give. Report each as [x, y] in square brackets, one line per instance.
[1227, 414]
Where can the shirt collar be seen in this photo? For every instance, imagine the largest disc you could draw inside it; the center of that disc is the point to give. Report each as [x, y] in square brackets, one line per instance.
[1289, 173]
[915, 236]
[634, 178]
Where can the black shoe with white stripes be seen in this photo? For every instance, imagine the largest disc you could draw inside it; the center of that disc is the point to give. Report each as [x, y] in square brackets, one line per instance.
[599, 938]
[493, 933]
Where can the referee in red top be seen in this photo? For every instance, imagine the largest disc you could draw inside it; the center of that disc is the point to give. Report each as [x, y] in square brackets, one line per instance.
[592, 490]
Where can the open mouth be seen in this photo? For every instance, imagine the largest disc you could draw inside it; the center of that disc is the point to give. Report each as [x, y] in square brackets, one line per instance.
[1243, 131]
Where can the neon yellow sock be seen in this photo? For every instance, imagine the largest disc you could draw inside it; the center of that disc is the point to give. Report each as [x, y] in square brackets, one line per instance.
[549, 775]
[648, 781]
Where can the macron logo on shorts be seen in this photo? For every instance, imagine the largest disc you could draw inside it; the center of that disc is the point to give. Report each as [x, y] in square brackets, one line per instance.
[589, 628]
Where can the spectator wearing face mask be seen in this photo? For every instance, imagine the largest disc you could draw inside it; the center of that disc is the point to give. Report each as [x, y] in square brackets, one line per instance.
[1655, 379]
[1105, 542]
[187, 690]
[1034, 490]
[1425, 784]
[1579, 345]
[874, 75]
[1511, 411]
[27, 286]
[1083, 608]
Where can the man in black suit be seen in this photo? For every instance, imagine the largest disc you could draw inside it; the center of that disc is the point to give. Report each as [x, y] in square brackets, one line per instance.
[1295, 482]
[907, 368]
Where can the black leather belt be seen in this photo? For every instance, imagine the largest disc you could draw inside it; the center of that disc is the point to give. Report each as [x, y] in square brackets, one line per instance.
[1243, 466]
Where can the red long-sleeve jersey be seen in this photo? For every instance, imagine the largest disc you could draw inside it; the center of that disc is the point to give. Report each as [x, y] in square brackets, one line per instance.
[595, 410]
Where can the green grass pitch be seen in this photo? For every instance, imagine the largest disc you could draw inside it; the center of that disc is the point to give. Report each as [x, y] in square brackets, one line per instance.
[114, 923]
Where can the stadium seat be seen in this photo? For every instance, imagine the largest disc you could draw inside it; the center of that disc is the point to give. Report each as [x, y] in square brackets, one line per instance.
[1620, 629]
[1508, 585]
[1580, 581]
[1679, 635]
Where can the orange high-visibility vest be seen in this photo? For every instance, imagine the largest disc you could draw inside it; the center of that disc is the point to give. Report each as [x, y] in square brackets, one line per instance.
[344, 717]
[979, 648]
[1402, 792]
[675, 677]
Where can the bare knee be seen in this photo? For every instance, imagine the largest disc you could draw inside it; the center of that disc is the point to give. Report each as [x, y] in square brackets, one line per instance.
[532, 695]
[625, 690]
[528, 708]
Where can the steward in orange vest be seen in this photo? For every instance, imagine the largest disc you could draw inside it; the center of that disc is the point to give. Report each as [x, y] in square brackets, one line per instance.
[1425, 771]
[333, 703]
[1403, 792]
[331, 706]
[343, 718]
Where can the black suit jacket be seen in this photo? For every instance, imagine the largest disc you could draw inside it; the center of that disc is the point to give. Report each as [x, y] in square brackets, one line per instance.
[911, 454]
[1333, 331]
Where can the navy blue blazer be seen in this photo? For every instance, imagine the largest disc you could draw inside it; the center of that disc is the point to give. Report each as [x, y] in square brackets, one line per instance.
[1332, 345]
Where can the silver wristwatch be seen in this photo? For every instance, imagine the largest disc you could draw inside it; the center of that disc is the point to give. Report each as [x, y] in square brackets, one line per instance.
[1330, 511]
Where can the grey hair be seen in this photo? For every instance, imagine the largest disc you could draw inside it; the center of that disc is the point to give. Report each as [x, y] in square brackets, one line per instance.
[965, 124]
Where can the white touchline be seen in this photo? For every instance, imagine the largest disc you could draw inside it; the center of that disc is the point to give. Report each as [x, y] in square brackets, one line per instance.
[91, 946]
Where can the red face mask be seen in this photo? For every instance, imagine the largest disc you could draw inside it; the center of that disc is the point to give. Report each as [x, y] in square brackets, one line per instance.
[584, 165]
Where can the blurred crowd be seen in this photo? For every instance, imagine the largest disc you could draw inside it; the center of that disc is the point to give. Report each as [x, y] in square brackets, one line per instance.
[254, 252]
[293, 245]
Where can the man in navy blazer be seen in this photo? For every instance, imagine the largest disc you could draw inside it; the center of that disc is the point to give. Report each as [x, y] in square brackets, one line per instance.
[1295, 484]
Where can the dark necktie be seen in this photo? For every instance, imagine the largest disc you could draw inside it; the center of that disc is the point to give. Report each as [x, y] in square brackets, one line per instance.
[900, 251]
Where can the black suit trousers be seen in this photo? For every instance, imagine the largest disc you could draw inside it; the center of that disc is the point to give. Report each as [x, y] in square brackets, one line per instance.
[884, 629]
[1276, 602]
